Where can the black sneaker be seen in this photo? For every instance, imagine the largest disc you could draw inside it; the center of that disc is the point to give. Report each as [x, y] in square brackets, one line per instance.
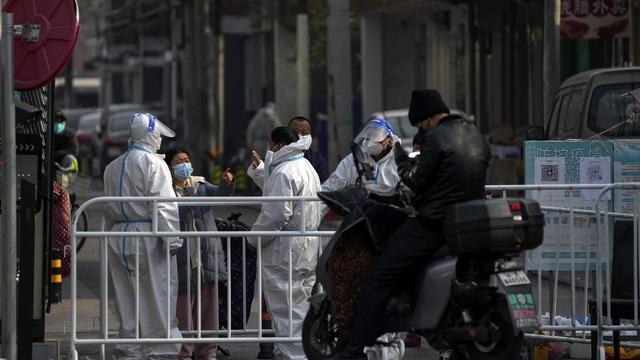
[266, 351]
[222, 353]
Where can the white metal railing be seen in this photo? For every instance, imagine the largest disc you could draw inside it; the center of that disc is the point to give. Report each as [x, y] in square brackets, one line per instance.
[214, 335]
[573, 332]
[601, 289]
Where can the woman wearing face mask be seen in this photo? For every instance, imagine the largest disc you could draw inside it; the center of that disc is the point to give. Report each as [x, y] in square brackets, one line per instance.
[197, 218]
[377, 140]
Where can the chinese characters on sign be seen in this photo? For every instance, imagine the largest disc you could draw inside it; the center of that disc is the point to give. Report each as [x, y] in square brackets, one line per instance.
[567, 241]
[592, 19]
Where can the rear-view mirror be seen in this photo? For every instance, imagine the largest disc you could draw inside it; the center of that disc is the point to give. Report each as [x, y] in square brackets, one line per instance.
[359, 158]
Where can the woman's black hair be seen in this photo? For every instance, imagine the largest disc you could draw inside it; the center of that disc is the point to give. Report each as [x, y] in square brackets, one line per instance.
[168, 156]
[284, 135]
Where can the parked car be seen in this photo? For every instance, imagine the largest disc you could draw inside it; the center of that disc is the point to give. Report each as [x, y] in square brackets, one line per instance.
[593, 103]
[399, 120]
[87, 135]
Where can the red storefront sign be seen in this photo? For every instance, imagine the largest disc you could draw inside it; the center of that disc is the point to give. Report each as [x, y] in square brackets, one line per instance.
[594, 19]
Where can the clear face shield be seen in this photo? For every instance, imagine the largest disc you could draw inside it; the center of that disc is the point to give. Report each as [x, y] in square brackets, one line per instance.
[160, 127]
[142, 124]
[373, 136]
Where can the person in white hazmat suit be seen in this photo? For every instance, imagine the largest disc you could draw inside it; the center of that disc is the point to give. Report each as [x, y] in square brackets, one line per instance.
[377, 140]
[261, 125]
[141, 172]
[285, 172]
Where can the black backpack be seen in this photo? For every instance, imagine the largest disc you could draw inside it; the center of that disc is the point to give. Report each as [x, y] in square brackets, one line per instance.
[232, 223]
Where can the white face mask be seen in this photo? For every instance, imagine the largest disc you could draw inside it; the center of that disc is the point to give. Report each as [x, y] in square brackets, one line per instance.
[373, 148]
[268, 158]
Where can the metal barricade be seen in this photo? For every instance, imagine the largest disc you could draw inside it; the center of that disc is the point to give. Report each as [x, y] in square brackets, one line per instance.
[217, 336]
[601, 288]
[574, 332]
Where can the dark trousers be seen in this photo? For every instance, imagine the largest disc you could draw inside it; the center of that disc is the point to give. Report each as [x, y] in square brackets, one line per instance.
[407, 249]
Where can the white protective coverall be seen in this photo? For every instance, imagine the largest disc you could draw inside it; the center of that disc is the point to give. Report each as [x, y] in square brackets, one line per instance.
[260, 127]
[140, 172]
[287, 173]
[385, 170]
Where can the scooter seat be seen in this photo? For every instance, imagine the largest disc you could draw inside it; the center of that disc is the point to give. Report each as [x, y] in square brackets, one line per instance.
[400, 302]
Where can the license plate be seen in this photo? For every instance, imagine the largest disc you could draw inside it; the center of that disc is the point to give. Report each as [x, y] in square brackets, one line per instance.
[514, 278]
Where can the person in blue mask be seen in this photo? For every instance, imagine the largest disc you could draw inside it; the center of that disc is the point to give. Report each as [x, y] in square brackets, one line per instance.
[64, 141]
[210, 260]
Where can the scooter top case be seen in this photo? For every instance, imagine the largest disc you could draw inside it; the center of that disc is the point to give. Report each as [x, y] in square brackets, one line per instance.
[497, 226]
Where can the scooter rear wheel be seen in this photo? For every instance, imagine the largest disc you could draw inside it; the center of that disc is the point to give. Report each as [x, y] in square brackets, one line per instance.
[321, 338]
[506, 346]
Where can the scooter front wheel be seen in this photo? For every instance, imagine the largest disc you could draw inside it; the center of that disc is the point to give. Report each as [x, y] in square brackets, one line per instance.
[321, 338]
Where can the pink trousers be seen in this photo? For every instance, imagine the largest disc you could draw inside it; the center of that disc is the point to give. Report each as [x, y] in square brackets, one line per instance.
[187, 310]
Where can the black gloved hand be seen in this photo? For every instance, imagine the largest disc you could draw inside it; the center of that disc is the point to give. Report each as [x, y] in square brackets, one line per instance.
[404, 170]
[399, 154]
[402, 160]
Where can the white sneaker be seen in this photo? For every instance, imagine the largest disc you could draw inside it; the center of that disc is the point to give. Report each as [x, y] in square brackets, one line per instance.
[447, 355]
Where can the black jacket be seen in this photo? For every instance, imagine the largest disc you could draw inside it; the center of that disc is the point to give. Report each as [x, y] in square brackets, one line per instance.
[451, 167]
[65, 144]
[319, 163]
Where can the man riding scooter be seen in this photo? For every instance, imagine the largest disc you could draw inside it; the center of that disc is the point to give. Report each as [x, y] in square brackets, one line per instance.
[65, 142]
[66, 148]
[451, 168]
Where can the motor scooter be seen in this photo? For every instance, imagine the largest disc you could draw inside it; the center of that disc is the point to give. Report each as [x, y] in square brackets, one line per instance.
[470, 294]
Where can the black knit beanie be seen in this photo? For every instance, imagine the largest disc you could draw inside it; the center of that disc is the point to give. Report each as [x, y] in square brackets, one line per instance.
[424, 104]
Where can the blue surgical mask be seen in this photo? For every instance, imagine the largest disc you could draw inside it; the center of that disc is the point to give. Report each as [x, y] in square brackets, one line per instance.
[58, 128]
[183, 171]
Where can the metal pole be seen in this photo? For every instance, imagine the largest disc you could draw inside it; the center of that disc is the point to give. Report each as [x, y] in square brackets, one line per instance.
[598, 286]
[104, 289]
[551, 53]
[9, 224]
